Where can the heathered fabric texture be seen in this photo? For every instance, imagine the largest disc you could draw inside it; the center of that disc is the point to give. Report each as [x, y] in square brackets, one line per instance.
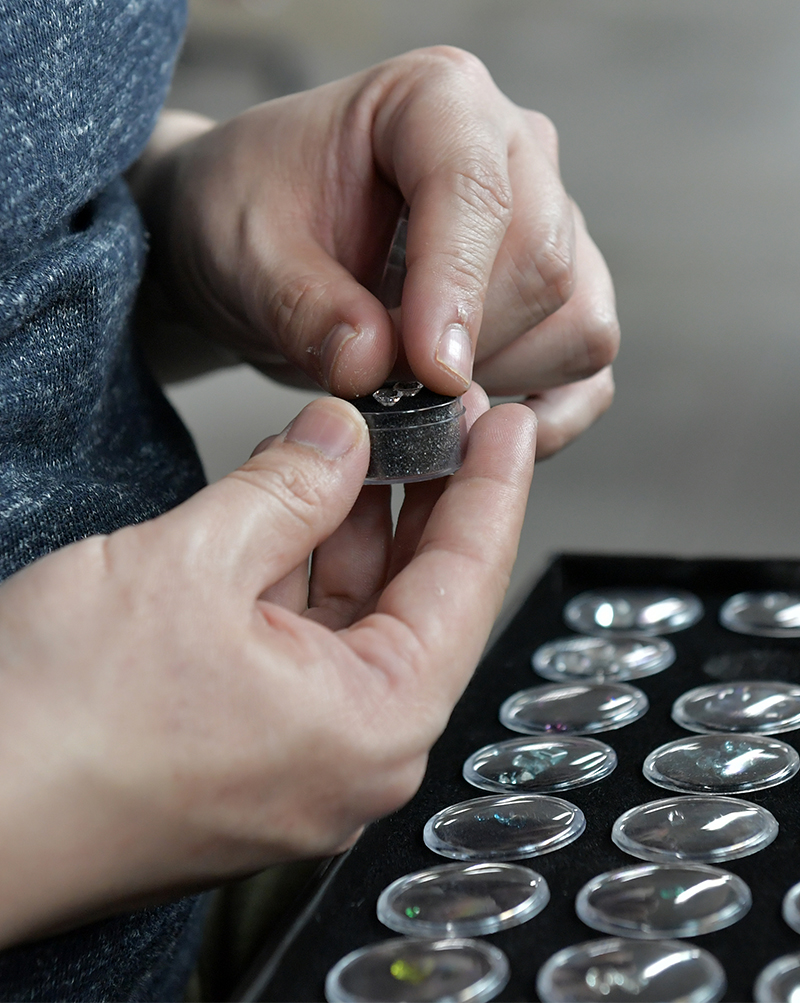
[87, 441]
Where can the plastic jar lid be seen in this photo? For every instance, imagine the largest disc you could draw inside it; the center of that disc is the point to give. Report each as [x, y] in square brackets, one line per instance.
[504, 827]
[639, 610]
[616, 970]
[408, 970]
[651, 901]
[760, 707]
[602, 659]
[537, 765]
[706, 828]
[578, 708]
[463, 900]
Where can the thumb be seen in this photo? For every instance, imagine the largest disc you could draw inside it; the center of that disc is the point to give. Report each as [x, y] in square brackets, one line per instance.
[326, 323]
[258, 523]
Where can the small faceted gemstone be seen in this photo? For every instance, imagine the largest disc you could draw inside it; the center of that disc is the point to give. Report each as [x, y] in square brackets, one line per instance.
[721, 764]
[633, 610]
[791, 907]
[779, 982]
[705, 828]
[410, 970]
[463, 900]
[504, 827]
[650, 901]
[766, 708]
[537, 765]
[601, 659]
[615, 970]
[579, 708]
[762, 614]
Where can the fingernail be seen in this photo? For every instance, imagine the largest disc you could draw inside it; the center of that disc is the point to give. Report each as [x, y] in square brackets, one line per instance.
[331, 348]
[329, 428]
[454, 352]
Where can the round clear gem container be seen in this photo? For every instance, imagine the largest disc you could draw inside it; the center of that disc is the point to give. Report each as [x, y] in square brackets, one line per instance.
[503, 827]
[633, 610]
[579, 708]
[616, 970]
[537, 765]
[779, 982]
[703, 828]
[791, 907]
[761, 707]
[601, 659]
[650, 901]
[463, 900]
[762, 614]
[721, 764]
[412, 970]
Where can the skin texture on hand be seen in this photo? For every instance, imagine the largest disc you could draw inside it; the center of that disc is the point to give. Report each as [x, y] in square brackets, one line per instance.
[182, 701]
[270, 230]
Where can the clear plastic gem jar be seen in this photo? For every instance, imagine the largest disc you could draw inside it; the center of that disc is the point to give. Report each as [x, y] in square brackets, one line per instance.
[463, 900]
[704, 828]
[538, 765]
[504, 827]
[577, 708]
[633, 610]
[650, 901]
[615, 970]
[764, 708]
[791, 907]
[779, 982]
[410, 970]
[603, 659]
[721, 764]
[762, 614]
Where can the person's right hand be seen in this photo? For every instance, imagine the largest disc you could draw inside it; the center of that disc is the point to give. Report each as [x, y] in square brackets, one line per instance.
[181, 703]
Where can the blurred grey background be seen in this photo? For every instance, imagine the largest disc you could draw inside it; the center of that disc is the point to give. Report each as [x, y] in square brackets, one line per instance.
[680, 138]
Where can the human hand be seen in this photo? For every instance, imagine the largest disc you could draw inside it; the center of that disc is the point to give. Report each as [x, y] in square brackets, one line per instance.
[270, 229]
[180, 703]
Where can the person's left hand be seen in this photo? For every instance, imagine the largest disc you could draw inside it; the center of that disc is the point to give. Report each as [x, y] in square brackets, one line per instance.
[270, 230]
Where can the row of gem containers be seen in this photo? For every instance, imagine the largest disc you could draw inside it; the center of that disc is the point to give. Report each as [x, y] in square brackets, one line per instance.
[678, 898]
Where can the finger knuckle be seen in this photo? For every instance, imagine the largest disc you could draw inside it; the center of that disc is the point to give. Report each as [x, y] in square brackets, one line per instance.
[289, 486]
[544, 272]
[599, 342]
[484, 187]
[450, 59]
[294, 302]
[546, 132]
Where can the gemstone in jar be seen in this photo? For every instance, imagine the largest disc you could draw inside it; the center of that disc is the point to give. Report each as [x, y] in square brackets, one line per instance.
[650, 901]
[706, 828]
[536, 765]
[413, 970]
[721, 764]
[779, 982]
[766, 708]
[791, 907]
[463, 900]
[618, 971]
[503, 827]
[762, 614]
[579, 708]
[601, 659]
[633, 610]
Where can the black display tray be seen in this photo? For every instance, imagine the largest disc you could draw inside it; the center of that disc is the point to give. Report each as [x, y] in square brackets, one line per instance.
[339, 914]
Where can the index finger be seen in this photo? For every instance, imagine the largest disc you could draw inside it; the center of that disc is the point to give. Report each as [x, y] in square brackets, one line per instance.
[432, 621]
[441, 135]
